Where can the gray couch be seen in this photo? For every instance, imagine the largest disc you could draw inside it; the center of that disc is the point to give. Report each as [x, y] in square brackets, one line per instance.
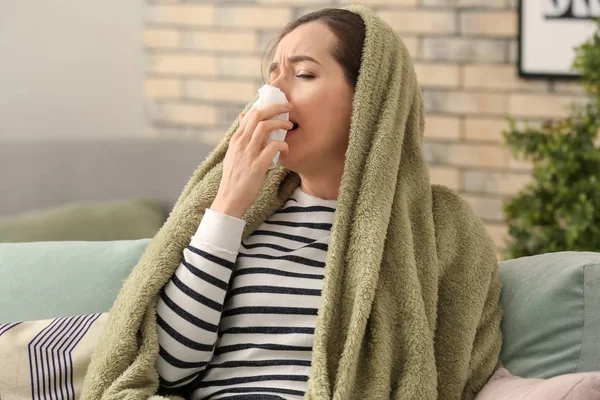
[48, 173]
[551, 323]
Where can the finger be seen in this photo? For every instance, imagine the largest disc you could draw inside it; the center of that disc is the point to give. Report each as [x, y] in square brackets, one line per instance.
[241, 126]
[244, 120]
[265, 157]
[263, 131]
[261, 114]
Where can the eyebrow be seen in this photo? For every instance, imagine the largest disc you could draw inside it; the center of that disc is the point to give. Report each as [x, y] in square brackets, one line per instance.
[293, 60]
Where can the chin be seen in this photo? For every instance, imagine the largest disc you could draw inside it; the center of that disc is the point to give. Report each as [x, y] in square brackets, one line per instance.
[285, 162]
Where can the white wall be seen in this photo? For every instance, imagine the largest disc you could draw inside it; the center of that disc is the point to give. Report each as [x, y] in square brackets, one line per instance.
[71, 68]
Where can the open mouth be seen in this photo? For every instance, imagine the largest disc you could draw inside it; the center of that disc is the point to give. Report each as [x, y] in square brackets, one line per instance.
[294, 127]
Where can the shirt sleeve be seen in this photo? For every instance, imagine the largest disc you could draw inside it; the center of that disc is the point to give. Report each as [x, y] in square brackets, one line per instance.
[190, 305]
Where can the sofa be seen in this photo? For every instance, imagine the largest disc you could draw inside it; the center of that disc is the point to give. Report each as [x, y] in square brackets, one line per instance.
[92, 189]
[551, 324]
[52, 172]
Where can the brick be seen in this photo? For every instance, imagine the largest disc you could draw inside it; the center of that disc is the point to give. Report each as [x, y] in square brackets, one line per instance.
[266, 39]
[464, 3]
[489, 23]
[513, 52]
[500, 183]
[182, 14]
[295, 2]
[515, 164]
[413, 45]
[550, 106]
[436, 153]
[163, 88]
[254, 17]
[383, 2]
[192, 114]
[182, 64]
[464, 49]
[498, 233]
[445, 128]
[161, 38]
[568, 88]
[485, 129]
[500, 77]
[492, 129]
[221, 41]
[226, 91]
[484, 156]
[488, 208]
[298, 12]
[438, 75]
[435, 22]
[240, 66]
[449, 177]
[465, 103]
[465, 155]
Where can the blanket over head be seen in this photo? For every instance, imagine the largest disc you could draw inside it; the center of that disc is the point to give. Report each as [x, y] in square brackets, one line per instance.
[410, 302]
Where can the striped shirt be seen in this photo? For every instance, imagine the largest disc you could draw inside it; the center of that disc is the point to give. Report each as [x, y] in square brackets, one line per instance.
[237, 319]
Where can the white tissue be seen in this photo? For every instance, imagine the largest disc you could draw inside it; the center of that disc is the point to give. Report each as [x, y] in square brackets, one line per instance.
[271, 95]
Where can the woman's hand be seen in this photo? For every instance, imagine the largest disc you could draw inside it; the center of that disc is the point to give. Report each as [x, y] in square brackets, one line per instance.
[248, 157]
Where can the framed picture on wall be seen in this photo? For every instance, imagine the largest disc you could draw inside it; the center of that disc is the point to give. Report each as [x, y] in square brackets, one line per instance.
[549, 31]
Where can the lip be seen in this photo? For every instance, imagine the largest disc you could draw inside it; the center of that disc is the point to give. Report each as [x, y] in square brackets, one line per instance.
[291, 133]
[292, 119]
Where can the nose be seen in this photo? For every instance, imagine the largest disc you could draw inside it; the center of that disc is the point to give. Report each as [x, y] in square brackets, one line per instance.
[279, 83]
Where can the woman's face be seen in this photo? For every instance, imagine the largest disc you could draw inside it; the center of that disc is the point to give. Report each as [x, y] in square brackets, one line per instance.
[315, 84]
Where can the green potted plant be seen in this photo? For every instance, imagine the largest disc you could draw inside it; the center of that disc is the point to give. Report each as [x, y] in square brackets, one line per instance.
[560, 209]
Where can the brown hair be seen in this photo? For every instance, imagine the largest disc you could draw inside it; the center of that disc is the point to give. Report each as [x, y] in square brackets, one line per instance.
[349, 29]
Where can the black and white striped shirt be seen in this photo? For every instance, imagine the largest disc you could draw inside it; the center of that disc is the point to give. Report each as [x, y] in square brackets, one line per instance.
[237, 319]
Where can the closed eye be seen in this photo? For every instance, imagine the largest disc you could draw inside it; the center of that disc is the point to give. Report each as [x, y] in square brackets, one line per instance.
[304, 76]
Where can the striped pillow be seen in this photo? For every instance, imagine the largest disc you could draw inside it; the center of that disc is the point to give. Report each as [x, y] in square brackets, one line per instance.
[47, 359]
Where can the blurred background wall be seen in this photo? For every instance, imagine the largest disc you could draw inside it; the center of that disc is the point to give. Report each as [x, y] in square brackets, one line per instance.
[204, 65]
[71, 69]
[174, 68]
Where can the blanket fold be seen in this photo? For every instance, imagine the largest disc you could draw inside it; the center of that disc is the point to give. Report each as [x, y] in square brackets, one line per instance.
[410, 303]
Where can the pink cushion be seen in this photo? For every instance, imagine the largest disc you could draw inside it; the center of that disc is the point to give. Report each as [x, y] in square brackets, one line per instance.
[580, 386]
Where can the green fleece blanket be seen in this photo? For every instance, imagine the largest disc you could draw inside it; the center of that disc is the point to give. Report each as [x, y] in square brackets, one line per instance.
[410, 302]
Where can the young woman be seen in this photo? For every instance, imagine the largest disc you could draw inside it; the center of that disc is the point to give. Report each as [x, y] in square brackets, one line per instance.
[237, 319]
[340, 274]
